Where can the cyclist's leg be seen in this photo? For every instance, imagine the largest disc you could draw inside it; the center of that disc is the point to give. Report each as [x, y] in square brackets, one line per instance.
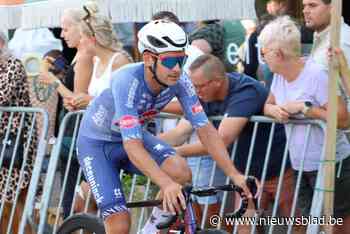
[102, 174]
[172, 164]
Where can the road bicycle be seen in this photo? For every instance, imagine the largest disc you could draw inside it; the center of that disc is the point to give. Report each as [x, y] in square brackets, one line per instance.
[93, 224]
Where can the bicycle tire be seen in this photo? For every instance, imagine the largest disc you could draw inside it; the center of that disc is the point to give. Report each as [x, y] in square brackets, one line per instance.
[212, 231]
[87, 222]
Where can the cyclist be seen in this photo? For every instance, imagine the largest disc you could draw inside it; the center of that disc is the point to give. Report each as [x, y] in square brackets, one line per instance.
[112, 134]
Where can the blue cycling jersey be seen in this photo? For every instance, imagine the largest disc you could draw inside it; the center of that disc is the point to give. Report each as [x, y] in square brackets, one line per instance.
[121, 112]
[118, 114]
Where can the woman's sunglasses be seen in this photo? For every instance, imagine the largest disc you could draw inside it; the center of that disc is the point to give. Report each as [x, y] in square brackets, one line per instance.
[87, 20]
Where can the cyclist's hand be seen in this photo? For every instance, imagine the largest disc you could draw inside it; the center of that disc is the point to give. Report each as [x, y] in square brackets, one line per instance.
[240, 181]
[254, 186]
[172, 195]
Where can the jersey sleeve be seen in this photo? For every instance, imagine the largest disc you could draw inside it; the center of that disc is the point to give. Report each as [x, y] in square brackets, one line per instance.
[190, 104]
[126, 118]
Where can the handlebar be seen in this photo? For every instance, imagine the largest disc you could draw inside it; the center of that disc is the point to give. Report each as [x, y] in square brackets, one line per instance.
[203, 192]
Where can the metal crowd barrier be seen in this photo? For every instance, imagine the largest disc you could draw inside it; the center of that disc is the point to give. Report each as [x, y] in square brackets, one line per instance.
[140, 188]
[15, 160]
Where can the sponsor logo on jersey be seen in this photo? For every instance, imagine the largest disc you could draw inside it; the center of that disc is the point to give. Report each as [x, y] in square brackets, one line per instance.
[197, 108]
[128, 121]
[158, 147]
[132, 94]
[100, 116]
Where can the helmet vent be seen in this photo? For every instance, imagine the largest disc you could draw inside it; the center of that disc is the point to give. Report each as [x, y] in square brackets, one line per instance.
[173, 43]
[156, 42]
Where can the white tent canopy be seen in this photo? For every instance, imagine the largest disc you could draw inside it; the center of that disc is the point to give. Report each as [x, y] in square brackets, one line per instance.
[48, 13]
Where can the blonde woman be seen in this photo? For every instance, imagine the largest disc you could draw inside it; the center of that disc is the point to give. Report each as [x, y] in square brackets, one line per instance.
[300, 89]
[98, 37]
[79, 74]
[98, 40]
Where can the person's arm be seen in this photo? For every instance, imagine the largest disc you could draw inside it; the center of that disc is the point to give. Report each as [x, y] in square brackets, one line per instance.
[178, 135]
[229, 130]
[320, 112]
[48, 78]
[173, 107]
[82, 72]
[344, 70]
[274, 111]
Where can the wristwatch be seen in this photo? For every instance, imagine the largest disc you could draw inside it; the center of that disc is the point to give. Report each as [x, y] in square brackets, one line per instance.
[307, 106]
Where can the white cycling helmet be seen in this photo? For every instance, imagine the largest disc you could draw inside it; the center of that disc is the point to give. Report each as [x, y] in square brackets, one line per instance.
[161, 36]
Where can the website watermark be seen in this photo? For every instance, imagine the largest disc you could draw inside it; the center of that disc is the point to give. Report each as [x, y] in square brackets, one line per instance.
[216, 220]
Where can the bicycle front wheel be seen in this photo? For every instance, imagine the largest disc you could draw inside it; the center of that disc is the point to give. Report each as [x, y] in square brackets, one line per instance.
[85, 222]
[212, 231]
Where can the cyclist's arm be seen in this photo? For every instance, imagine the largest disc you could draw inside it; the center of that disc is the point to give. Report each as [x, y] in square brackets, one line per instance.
[229, 130]
[209, 137]
[178, 135]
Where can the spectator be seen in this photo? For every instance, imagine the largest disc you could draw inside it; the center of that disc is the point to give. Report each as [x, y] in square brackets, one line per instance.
[76, 81]
[317, 15]
[276, 7]
[238, 97]
[209, 38]
[166, 15]
[300, 89]
[252, 62]
[99, 38]
[125, 33]
[250, 55]
[14, 92]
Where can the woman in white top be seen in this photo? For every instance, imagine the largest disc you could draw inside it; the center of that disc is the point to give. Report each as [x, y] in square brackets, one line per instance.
[99, 38]
[96, 38]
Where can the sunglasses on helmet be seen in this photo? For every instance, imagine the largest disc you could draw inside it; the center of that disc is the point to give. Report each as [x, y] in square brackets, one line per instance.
[170, 61]
[86, 19]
